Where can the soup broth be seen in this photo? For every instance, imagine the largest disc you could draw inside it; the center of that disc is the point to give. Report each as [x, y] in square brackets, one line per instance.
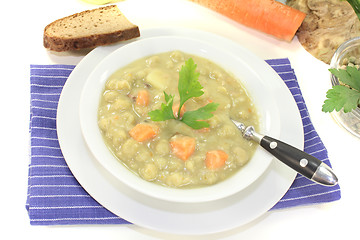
[133, 91]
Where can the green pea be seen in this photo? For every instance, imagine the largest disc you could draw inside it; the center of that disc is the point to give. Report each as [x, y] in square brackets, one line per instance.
[352, 59]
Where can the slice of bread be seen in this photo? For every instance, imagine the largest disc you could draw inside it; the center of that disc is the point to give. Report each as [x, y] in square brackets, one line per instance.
[89, 29]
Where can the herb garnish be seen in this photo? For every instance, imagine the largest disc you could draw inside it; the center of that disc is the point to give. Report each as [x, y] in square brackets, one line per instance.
[346, 96]
[188, 87]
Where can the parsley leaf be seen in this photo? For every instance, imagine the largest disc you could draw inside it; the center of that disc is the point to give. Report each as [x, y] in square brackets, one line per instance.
[166, 112]
[346, 97]
[188, 87]
[192, 118]
[350, 76]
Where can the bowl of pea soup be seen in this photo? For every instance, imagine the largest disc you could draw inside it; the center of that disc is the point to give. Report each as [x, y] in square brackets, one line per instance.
[156, 114]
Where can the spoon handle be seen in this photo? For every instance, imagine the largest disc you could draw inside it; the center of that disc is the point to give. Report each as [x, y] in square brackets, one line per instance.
[300, 161]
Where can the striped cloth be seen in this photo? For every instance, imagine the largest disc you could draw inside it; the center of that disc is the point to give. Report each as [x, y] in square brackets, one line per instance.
[56, 198]
[304, 191]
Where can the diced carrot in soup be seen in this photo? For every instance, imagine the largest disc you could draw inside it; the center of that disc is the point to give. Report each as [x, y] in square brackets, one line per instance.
[142, 132]
[143, 98]
[215, 159]
[183, 146]
[175, 109]
[203, 130]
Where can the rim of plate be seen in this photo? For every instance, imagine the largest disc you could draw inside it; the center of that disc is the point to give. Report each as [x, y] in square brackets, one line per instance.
[106, 191]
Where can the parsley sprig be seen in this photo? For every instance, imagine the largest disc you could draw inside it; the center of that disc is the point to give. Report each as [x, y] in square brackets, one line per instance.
[188, 87]
[346, 96]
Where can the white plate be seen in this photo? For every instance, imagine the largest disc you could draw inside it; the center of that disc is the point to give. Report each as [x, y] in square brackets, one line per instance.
[256, 86]
[179, 218]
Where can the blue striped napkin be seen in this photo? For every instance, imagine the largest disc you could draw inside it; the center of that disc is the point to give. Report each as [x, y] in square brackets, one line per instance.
[304, 191]
[56, 198]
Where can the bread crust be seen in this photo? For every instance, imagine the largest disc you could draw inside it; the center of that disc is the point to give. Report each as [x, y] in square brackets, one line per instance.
[60, 44]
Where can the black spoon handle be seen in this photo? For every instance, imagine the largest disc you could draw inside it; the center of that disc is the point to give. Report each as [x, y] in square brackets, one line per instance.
[300, 161]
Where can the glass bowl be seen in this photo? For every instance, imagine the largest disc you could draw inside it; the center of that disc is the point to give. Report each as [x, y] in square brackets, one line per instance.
[351, 48]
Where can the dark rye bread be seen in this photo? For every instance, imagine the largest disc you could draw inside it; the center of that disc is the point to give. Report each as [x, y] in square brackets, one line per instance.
[89, 29]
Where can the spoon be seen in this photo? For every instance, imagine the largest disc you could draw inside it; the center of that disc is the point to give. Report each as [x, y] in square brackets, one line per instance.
[300, 161]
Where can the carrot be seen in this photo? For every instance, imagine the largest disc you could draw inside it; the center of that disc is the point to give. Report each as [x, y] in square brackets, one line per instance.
[142, 132]
[143, 98]
[175, 109]
[182, 146]
[268, 16]
[215, 159]
[203, 130]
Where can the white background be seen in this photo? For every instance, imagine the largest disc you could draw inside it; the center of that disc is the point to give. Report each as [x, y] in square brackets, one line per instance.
[22, 23]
